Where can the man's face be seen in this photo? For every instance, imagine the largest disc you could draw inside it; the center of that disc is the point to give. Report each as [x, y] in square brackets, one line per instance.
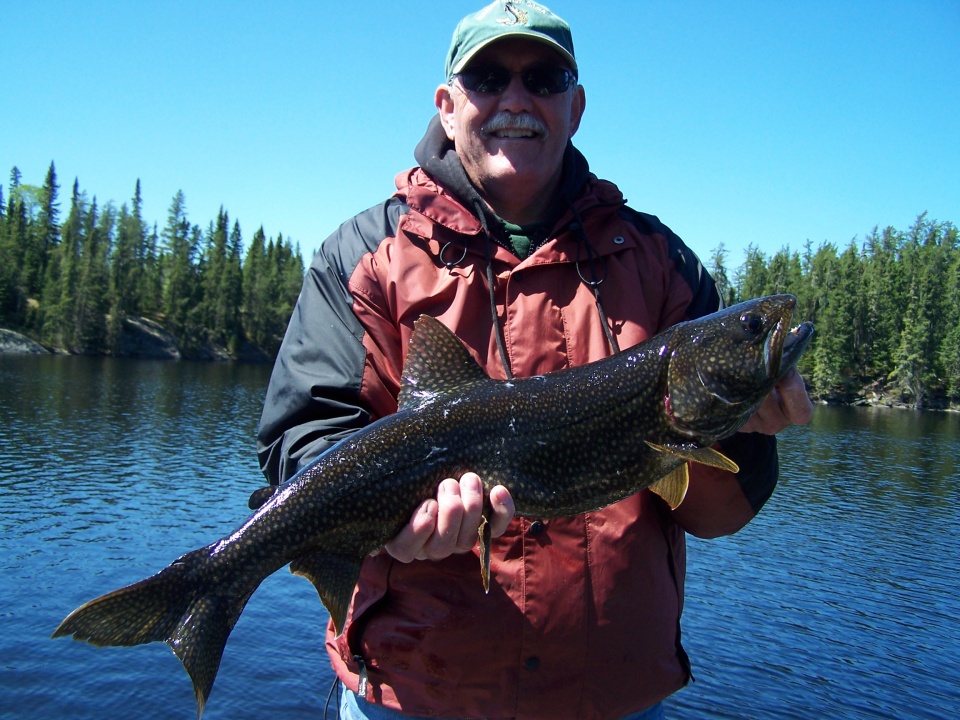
[511, 143]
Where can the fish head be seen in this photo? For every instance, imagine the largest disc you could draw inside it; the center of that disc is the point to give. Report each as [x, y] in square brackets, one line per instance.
[721, 366]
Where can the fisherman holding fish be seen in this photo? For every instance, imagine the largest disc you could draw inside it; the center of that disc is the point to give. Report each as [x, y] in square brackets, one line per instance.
[503, 356]
[503, 234]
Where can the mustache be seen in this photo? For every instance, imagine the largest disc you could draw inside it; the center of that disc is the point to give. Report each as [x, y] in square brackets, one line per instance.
[506, 120]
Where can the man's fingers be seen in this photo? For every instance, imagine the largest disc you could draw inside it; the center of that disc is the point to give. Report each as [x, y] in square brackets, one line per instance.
[450, 512]
[471, 495]
[794, 400]
[448, 524]
[409, 542]
[503, 510]
[787, 404]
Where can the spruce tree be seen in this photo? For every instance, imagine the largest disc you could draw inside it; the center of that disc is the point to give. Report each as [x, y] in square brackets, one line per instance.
[753, 278]
[90, 307]
[47, 227]
[256, 311]
[718, 269]
[180, 278]
[60, 284]
[950, 346]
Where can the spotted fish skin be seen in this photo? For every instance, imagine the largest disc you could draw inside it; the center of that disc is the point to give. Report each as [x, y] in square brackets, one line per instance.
[562, 443]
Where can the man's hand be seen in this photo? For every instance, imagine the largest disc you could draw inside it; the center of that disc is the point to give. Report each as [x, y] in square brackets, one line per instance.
[787, 404]
[448, 524]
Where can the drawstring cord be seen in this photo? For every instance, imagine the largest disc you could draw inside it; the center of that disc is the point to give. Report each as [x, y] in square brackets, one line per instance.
[498, 335]
[596, 274]
[595, 280]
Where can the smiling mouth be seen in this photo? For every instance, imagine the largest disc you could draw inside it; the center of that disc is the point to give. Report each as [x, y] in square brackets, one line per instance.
[510, 133]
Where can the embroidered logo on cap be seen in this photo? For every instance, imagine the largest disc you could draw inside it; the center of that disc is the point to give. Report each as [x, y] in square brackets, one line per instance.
[519, 17]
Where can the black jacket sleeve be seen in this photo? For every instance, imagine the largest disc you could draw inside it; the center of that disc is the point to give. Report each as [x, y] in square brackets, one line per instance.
[313, 399]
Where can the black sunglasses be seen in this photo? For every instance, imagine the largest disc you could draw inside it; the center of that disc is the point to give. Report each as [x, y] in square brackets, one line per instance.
[538, 80]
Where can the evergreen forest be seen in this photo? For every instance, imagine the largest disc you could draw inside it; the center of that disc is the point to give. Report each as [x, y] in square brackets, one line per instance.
[72, 282]
[886, 308]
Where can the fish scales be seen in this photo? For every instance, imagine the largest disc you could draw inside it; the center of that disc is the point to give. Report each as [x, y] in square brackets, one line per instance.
[562, 443]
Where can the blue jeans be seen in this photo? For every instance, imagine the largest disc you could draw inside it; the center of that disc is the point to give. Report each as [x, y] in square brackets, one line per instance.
[353, 708]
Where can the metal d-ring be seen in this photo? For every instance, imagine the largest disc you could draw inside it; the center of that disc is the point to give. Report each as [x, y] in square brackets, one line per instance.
[451, 265]
[591, 260]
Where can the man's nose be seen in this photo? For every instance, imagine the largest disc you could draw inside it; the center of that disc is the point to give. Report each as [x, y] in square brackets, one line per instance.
[515, 96]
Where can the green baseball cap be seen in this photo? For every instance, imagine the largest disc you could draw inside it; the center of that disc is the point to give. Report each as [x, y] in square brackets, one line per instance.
[502, 19]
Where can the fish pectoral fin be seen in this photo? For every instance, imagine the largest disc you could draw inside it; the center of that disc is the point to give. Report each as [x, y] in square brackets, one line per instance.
[673, 487]
[334, 577]
[484, 531]
[704, 456]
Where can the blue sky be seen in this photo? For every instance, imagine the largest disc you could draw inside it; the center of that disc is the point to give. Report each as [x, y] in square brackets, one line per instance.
[735, 122]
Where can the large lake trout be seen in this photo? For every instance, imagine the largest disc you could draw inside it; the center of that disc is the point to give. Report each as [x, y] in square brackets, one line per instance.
[562, 443]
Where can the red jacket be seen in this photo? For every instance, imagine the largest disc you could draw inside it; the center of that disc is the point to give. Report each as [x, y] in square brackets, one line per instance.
[583, 615]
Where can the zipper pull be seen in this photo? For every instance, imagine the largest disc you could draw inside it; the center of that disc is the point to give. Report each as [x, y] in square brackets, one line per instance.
[362, 683]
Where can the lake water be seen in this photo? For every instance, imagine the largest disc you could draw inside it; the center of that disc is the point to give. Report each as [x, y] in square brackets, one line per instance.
[839, 601]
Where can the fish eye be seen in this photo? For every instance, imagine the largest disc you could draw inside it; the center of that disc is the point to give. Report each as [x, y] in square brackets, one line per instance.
[751, 322]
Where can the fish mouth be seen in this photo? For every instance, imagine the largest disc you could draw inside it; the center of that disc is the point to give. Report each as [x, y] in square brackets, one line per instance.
[794, 343]
[785, 344]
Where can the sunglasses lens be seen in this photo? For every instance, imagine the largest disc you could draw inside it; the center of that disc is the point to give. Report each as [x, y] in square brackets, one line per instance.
[485, 79]
[547, 80]
[491, 79]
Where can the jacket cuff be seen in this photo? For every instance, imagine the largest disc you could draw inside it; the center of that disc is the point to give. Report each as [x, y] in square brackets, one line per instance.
[756, 455]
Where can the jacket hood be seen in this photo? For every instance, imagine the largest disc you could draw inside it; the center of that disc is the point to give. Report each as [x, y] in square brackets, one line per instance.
[437, 156]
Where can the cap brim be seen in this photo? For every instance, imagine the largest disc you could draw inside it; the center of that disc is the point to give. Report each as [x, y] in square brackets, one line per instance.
[526, 35]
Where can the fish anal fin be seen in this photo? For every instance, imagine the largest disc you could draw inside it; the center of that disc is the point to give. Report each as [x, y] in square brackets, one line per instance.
[673, 486]
[334, 577]
[704, 456]
[437, 362]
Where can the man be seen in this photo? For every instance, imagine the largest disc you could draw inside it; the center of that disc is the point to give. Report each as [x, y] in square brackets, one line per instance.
[504, 235]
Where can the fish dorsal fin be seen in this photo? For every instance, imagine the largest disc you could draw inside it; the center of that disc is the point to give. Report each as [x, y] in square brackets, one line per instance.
[673, 487]
[704, 456]
[437, 362]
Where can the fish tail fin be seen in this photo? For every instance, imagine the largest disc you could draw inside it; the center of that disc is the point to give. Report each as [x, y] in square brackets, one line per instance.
[172, 606]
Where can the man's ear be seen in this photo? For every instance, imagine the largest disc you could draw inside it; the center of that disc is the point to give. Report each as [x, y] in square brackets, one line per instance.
[443, 99]
[576, 110]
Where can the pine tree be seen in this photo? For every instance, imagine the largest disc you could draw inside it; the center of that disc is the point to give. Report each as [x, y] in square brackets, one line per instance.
[917, 359]
[230, 293]
[60, 280]
[753, 278]
[9, 263]
[180, 281]
[832, 352]
[151, 293]
[784, 274]
[90, 306]
[212, 268]
[950, 346]
[718, 269]
[256, 307]
[48, 219]
[14, 241]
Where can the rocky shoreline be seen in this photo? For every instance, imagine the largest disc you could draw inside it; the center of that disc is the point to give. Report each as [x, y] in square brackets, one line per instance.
[15, 343]
[142, 338]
